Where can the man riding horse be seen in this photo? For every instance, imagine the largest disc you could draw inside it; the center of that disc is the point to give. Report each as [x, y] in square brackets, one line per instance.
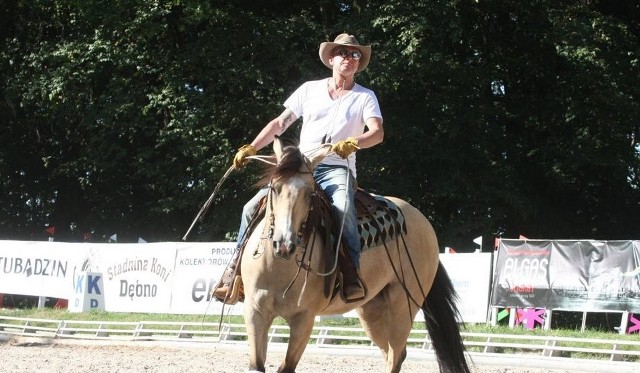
[335, 110]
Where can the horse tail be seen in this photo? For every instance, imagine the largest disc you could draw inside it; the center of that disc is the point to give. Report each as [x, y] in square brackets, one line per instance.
[441, 316]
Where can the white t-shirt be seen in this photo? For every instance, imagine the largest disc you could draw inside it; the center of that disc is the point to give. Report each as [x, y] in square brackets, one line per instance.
[328, 121]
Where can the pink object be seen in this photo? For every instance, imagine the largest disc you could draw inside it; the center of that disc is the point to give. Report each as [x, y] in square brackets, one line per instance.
[530, 316]
[635, 322]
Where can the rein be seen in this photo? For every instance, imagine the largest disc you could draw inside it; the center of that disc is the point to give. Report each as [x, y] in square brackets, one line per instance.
[306, 235]
[306, 239]
[203, 210]
[205, 207]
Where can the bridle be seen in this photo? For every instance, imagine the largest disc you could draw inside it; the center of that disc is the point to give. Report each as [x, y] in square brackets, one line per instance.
[302, 230]
[305, 237]
[270, 228]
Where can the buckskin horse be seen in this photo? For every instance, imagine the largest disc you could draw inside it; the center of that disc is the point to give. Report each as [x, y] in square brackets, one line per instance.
[288, 269]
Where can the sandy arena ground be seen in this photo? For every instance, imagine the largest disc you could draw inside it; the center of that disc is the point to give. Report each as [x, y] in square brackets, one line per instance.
[47, 355]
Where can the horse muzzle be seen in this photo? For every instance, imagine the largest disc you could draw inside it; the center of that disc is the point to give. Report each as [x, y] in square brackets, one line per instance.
[283, 249]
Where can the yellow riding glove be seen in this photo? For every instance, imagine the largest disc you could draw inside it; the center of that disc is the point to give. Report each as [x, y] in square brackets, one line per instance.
[345, 147]
[245, 151]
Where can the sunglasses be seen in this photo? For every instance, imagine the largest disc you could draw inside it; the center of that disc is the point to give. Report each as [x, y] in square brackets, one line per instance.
[355, 55]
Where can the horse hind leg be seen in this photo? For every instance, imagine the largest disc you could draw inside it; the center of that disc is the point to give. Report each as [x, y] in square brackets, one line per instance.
[384, 319]
[373, 317]
[401, 313]
[300, 327]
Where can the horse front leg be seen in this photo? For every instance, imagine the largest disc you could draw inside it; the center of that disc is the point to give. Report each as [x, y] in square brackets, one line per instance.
[257, 325]
[300, 327]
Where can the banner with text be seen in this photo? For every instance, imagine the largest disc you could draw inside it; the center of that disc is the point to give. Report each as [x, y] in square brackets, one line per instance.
[170, 277]
[198, 269]
[167, 277]
[136, 277]
[471, 277]
[568, 275]
[40, 268]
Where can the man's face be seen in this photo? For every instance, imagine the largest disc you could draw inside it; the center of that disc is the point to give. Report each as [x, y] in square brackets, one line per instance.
[345, 61]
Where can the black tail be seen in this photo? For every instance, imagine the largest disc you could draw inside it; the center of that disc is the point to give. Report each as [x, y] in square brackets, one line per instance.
[442, 315]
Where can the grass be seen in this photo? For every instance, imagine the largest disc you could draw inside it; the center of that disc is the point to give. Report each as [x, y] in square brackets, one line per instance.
[61, 314]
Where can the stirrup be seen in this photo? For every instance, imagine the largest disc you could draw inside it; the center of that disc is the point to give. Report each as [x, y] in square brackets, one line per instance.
[357, 297]
[234, 295]
[351, 279]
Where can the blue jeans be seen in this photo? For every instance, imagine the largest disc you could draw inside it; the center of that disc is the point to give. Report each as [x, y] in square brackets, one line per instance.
[333, 180]
[249, 209]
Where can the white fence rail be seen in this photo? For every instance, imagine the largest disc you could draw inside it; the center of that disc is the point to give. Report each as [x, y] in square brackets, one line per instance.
[207, 332]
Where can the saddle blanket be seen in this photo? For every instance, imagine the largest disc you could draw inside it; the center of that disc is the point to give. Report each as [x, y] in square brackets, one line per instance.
[379, 220]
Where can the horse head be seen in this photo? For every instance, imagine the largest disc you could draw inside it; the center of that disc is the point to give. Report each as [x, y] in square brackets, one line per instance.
[291, 189]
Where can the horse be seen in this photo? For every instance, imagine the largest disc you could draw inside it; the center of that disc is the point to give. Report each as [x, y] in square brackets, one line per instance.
[401, 275]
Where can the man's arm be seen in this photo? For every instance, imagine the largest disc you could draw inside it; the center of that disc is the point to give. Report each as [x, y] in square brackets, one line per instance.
[274, 128]
[373, 136]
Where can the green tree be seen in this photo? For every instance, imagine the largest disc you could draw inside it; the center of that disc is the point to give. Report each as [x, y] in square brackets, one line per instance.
[499, 115]
[508, 115]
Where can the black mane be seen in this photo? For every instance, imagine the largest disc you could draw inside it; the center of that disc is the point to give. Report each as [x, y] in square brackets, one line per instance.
[289, 165]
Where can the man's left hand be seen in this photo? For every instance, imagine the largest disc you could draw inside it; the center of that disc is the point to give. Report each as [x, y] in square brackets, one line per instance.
[345, 147]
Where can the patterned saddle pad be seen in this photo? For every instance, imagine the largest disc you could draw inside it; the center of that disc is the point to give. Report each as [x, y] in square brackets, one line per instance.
[379, 220]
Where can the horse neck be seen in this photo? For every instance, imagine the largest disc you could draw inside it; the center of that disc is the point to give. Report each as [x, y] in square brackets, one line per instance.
[318, 235]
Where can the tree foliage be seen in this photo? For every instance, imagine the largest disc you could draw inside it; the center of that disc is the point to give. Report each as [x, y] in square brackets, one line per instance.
[119, 116]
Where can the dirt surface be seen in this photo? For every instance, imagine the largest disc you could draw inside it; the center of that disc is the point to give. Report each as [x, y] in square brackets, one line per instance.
[48, 355]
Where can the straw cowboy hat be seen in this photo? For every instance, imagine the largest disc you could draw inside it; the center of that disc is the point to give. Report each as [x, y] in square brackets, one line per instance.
[348, 41]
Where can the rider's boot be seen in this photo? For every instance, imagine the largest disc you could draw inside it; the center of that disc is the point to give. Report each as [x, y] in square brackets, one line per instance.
[229, 289]
[353, 288]
[224, 285]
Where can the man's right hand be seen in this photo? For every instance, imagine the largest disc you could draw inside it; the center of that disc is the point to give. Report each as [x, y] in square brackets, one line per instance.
[241, 156]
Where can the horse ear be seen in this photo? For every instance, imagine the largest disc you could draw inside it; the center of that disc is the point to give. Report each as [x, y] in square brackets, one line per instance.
[316, 157]
[277, 148]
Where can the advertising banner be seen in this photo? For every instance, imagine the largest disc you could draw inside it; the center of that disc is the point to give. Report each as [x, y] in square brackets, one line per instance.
[568, 275]
[169, 277]
[471, 277]
[198, 268]
[136, 277]
[40, 268]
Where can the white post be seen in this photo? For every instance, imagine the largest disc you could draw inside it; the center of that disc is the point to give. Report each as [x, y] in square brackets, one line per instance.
[624, 323]
[547, 320]
[42, 300]
[512, 317]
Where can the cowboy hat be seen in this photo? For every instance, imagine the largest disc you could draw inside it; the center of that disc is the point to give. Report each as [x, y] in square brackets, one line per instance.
[345, 40]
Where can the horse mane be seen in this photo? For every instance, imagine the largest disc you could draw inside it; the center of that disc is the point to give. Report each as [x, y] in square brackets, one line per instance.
[288, 166]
